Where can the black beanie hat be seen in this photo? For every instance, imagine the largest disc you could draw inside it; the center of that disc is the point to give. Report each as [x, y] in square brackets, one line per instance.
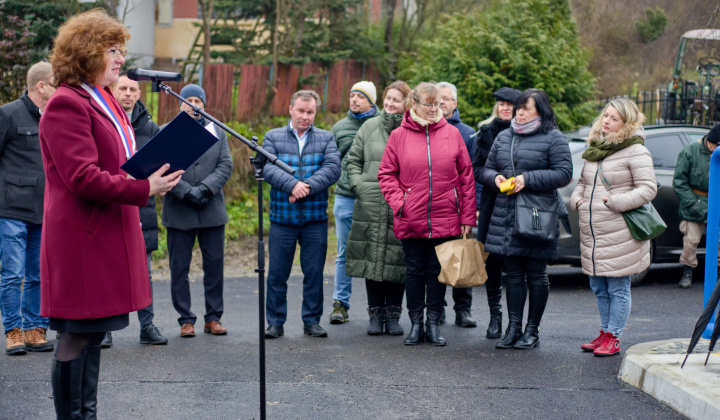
[506, 94]
[714, 135]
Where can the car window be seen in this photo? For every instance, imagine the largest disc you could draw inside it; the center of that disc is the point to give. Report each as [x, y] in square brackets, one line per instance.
[664, 149]
[694, 136]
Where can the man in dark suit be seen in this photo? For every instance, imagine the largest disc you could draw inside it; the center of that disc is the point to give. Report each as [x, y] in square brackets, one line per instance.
[127, 92]
[195, 209]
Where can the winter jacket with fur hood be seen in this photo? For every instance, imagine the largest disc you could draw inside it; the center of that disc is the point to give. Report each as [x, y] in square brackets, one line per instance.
[607, 248]
[426, 177]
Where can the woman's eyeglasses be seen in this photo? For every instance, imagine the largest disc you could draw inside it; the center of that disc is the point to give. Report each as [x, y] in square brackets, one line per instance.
[117, 53]
[435, 105]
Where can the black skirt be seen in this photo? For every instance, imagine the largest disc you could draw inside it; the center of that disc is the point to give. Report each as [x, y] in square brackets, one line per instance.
[110, 323]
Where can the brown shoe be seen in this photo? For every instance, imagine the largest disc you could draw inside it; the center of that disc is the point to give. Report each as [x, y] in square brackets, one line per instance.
[187, 330]
[35, 340]
[15, 345]
[215, 328]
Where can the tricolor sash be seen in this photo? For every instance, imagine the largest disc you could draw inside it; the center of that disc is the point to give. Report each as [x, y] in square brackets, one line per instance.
[127, 135]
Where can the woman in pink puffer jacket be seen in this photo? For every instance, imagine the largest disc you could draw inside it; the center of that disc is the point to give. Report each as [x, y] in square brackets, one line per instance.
[426, 177]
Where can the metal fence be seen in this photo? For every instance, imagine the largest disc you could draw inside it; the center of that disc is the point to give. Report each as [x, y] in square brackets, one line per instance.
[686, 106]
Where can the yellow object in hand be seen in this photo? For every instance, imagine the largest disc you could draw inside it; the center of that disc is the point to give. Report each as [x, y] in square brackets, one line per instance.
[507, 186]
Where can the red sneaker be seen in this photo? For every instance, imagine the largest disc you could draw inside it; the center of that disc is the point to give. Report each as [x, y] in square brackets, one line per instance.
[591, 346]
[610, 347]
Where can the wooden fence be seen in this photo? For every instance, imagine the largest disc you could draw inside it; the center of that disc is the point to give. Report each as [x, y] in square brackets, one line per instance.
[221, 80]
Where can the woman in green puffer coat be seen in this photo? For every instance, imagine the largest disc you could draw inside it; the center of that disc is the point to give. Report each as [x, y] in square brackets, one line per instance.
[373, 252]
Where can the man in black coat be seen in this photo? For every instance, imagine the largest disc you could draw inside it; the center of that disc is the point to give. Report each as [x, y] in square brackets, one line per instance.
[195, 209]
[22, 185]
[127, 92]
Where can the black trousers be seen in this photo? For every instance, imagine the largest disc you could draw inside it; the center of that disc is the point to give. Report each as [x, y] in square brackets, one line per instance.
[384, 293]
[212, 246]
[493, 285]
[422, 287]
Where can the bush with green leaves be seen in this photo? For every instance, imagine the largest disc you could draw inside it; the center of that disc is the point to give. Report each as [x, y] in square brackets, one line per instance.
[521, 44]
[651, 26]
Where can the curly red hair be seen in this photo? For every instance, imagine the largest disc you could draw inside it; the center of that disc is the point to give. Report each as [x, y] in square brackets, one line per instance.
[81, 44]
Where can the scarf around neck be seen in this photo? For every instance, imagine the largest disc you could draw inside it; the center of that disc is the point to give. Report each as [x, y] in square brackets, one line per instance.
[526, 128]
[365, 114]
[600, 149]
[422, 121]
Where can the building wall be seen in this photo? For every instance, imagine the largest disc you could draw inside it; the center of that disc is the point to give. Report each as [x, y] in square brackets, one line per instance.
[139, 17]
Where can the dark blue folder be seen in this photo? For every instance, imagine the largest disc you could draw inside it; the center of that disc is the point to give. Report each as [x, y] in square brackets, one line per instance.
[180, 144]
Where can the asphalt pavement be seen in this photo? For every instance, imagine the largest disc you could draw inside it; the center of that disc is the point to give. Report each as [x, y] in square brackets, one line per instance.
[350, 375]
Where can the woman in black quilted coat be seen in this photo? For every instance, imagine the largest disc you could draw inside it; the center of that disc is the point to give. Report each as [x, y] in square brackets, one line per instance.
[543, 163]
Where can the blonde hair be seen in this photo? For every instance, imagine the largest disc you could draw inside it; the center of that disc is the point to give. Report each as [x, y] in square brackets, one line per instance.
[38, 72]
[629, 113]
[492, 117]
[401, 87]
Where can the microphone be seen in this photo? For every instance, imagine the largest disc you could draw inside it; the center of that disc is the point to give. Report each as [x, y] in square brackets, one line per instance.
[155, 76]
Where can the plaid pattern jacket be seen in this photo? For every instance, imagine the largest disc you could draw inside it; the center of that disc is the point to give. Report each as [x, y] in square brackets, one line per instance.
[317, 166]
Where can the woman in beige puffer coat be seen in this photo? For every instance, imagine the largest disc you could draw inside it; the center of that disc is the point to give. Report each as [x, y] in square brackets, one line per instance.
[610, 255]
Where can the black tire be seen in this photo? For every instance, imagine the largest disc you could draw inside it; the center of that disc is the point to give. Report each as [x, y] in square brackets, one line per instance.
[636, 279]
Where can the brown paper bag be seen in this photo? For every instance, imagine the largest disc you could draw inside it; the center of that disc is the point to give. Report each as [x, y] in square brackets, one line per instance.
[463, 263]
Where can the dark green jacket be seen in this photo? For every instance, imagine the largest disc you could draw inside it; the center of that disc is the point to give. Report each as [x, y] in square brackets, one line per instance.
[692, 172]
[373, 252]
[344, 132]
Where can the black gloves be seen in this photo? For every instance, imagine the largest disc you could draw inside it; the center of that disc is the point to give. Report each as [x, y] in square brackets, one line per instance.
[199, 196]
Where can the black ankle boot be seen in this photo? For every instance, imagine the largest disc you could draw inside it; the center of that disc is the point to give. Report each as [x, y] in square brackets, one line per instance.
[686, 279]
[433, 329]
[530, 339]
[66, 379]
[494, 329]
[392, 320]
[416, 334]
[376, 321]
[512, 335]
[91, 373]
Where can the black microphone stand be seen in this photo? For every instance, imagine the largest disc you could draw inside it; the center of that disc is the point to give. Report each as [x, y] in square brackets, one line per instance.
[258, 163]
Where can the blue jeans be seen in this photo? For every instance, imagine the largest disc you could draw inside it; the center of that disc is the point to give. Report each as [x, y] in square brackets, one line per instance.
[614, 302]
[282, 242]
[343, 211]
[20, 302]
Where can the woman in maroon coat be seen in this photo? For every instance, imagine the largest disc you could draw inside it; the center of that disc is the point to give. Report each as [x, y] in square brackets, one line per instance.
[92, 259]
[427, 179]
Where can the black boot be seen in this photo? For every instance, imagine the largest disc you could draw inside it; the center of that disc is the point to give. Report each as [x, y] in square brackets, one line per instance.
[515, 296]
[392, 320]
[433, 329]
[376, 321]
[538, 291]
[416, 334]
[66, 379]
[512, 335]
[530, 339]
[686, 279]
[91, 373]
[494, 326]
[493, 287]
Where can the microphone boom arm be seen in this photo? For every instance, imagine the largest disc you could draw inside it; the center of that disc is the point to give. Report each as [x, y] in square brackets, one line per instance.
[157, 86]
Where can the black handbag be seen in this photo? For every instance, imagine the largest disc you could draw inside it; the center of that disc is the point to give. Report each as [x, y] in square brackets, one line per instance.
[536, 214]
[643, 222]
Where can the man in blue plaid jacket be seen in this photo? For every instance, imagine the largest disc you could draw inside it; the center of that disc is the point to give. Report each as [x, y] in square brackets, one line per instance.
[298, 211]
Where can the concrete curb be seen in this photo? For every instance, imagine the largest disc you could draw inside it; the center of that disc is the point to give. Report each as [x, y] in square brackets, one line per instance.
[693, 391]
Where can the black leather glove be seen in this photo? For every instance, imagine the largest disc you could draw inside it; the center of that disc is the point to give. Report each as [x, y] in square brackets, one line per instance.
[199, 196]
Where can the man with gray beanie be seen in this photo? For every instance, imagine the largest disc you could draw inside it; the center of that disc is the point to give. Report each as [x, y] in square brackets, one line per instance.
[195, 209]
[363, 96]
[691, 182]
